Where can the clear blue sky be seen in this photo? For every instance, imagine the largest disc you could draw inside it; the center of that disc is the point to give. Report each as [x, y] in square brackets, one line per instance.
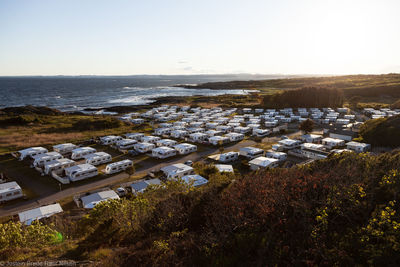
[55, 37]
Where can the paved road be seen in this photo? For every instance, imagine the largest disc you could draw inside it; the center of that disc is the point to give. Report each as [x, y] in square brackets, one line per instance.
[146, 167]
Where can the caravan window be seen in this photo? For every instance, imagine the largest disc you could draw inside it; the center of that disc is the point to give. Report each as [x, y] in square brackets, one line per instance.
[16, 193]
[9, 194]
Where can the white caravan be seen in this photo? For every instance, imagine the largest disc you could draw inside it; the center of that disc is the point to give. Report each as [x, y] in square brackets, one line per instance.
[177, 170]
[64, 148]
[144, 147]
[235, 137]
[41, 159]
[10, 191]
[150, 139]
[263, 162]
[185, 148]
[166, 142]
[81, 152]
[251, 152]
[217, 140]
[80, 172]
[125, 144]
[134, 136]
[98, 158]
[118, 166]
[58, 164]
[31, 152]
[228, 157]
[163, 152]
[110, 139]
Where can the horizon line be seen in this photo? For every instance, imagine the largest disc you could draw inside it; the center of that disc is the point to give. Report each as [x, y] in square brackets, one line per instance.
[194, 74]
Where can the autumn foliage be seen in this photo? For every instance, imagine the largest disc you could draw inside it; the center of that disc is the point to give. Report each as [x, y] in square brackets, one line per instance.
[342, 211]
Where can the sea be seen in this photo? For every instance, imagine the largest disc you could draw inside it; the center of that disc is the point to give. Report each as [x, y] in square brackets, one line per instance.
[77, 93]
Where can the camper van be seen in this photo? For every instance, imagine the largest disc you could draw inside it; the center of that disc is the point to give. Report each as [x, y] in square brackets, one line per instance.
[81, 152]
[10, 191]
[80, 172]
[118, 166]
[41, 159]
[163, 152]
[98, 158]
[31, 152]
[185, 148]
[58, 164]
[64, 148]
[125, 144]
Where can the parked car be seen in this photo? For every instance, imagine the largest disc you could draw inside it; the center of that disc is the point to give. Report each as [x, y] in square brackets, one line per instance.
[189, 163]
[121, 191]
[133, 152]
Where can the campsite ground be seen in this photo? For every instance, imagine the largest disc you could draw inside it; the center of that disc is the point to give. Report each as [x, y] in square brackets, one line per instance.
[45, 190]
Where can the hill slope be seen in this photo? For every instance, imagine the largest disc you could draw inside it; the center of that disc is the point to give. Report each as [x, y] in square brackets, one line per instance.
[382, 132]
[339, 211]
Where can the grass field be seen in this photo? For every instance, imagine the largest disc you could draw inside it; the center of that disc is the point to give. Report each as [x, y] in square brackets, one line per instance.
[49, 130]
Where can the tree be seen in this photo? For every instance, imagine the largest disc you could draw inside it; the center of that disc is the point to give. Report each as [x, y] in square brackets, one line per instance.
[354, 100]
[131, 170]
[307, 126]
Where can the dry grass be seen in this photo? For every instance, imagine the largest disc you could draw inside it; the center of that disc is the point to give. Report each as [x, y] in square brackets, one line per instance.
[19, 140]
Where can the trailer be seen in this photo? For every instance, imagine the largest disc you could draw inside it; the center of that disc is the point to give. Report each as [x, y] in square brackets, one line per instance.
[31, 152]
[118, 166]
[80, 172]
[98, 158]
[81, 152]
[41, 159]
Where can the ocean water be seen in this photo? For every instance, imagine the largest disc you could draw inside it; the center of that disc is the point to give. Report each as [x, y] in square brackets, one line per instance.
[78, 93]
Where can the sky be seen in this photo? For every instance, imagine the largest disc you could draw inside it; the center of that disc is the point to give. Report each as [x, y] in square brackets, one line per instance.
[115, 37]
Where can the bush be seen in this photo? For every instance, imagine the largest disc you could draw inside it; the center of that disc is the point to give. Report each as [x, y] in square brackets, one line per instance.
[19, 120]
[306, 97]
[97, 124]
[381, 132]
